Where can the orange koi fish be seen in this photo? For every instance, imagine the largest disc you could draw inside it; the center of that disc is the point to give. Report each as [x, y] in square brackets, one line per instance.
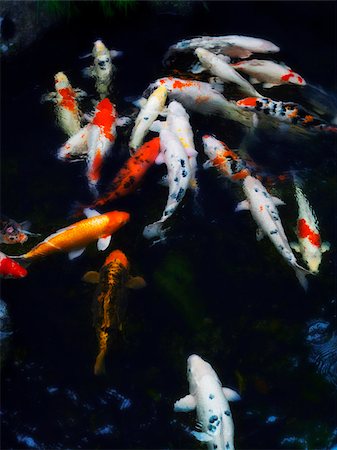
[225, 160]
[66, 107]
[110, 301]
[76, 237]
[132, 172]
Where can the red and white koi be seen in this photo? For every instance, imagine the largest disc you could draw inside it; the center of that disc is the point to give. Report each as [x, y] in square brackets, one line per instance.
[150, 109]
[309, 239]
[177, 121]
[219, 66]
[211, 402]
[263, 209]
[66, 107]
[10, 268]
[179, 174]
[203, 98]
[76, 147]
[233, 45]
[226, 161]
[269, 73]
[102, 69]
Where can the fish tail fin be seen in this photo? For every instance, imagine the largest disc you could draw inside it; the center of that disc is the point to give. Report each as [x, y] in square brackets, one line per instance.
[99, 368]
[301, 274]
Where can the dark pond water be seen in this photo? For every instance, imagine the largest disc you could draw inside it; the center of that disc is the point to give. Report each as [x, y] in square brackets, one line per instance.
[212, 289]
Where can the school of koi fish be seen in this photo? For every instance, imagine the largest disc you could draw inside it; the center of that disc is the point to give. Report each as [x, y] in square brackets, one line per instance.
[221, 63]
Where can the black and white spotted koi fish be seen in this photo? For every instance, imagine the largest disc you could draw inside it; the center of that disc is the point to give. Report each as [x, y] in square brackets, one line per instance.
[211, 402]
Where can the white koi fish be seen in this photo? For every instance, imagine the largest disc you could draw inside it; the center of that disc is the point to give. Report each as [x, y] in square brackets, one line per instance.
[66, 107]
[210, 400]
[269, 73]
[219, 66]
[309, 240]
[203, 98]
[233, 46]
[177, 121]
[263, 209]
[149, 112]
[102, 69]
[179, 175]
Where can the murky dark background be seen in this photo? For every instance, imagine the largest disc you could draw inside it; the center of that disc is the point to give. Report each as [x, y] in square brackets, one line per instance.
[212, 289]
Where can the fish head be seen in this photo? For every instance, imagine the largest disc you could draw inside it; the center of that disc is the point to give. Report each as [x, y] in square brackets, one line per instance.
[293, 78]
[160, 94]
[117, 219]
[248, 102]
[11, 269]
[177, 109]
[61, 80]
[212, 146]
[204, 56]
[197, 368]
[105, 104]
[117, 255]
[313, 261]
[250, 183]
[99, 48]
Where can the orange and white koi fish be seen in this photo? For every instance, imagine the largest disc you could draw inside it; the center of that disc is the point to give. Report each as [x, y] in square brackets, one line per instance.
[263, 209]
[233, 46]
[102, 70]
[226, 161]
[309, 239]
[178, 173]
[178, 121]
[269, 73]
[101, 137]
[110, 301]
[76, 147]
[74, 238]
[132, 172]
[219, 66]
[65, 99]
[150, 109]
[203, 98]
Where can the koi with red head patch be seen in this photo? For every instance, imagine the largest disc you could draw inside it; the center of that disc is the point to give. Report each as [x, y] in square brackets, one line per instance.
[10, 268]
[110, 301]
[74, 238]
[309, 239]
[226, 161]
[66, 107]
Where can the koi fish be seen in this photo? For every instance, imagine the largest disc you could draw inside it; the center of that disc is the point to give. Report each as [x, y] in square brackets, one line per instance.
[66, 107]
[10, 268]
[226, 161]
[76, 147]
[103, 70]
[211, 402]
[263, 209]
[179, 175]
[203, 98]
[284, 111]
[74, 238]
[149, 112]
[12, 232]
[132, 172]
[110, 301]
[177, 121]
[233, 46]
[219, 66]
[269, 73]
[101, 137]
[309, 240]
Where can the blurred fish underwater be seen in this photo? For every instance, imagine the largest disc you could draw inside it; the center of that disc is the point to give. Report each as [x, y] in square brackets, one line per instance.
[145, 97]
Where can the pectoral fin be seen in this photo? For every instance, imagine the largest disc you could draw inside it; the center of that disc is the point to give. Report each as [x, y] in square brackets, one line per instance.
[197, 68]
[160, 158]
[185, 404]
[295, 246]
[253, 80]
[325, 246]
[242, 206]
[75, 253]
[202, 437]
[277, 201]
[103, 243]
[91, 212]
[269, 85]
[91, 277]
[259, 234]
[87, 72]
[231, 395]
[207, 164]
[135, 283]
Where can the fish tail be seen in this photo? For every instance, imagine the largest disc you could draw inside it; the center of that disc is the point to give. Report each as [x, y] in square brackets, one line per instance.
[154, 230]
[99, 368]
[301, 274]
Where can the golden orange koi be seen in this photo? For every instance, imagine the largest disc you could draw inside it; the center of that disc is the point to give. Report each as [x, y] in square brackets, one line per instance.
[110, 301]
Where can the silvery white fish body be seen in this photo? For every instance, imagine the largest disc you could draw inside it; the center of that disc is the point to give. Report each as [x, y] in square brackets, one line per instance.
[211, 402]
[263, 209]
[219, 67]
[179, 175]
